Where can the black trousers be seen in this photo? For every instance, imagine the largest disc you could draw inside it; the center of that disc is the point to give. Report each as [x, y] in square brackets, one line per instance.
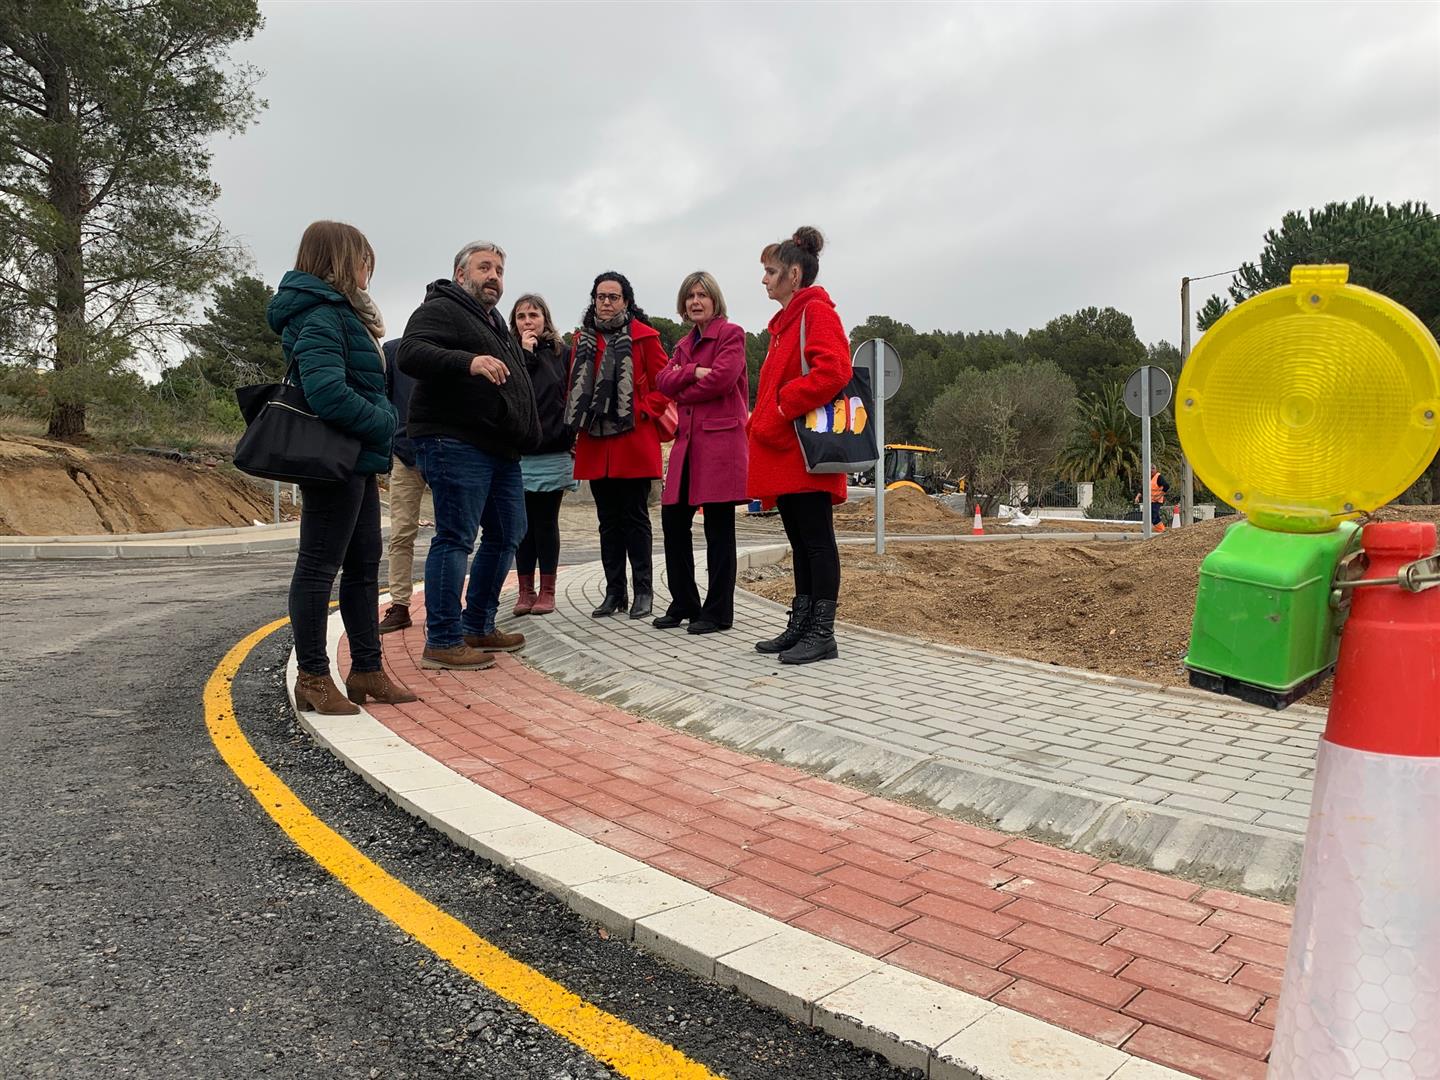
[542, 536]
[620, 507]
[339, 534]
[809, 520]
[676, 522]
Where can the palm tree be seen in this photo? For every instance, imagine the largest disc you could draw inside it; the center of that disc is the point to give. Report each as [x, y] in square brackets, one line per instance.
[1106, 443]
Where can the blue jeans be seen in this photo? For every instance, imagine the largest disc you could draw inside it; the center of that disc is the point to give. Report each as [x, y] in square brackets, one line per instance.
[473, 491]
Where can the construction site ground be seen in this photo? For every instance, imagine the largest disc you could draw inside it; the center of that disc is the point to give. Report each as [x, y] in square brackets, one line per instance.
[1117, 608]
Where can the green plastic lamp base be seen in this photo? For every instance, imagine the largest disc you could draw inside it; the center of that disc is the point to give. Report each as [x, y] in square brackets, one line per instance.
[1265, 629]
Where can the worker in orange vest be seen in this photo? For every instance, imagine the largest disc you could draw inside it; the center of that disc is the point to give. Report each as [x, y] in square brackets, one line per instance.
[1159, 486]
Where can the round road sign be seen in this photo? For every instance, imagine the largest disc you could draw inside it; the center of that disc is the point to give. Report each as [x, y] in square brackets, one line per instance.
[865, 357]
[1161, 389]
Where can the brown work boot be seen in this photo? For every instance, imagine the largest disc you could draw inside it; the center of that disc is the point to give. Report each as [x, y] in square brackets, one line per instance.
[397, 617]
[360, 685]
[456, 658]
[496, 641]
[319, 693]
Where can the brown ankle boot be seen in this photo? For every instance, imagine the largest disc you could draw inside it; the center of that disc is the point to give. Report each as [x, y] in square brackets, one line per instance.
[378, 686]
[320, 694]
[526, 603]
[545, 602]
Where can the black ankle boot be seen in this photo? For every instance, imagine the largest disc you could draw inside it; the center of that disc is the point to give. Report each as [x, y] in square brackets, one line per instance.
[612, 603]
[818, 641]
[799, 613]
[644, 601]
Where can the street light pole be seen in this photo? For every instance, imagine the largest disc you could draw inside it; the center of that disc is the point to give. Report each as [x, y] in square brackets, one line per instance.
[1187, 482]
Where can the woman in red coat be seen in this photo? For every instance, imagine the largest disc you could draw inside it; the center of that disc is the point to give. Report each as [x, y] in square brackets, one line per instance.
[777, 472]
[612, 401]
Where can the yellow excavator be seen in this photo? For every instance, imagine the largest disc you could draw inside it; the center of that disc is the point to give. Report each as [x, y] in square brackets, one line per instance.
[909, 466]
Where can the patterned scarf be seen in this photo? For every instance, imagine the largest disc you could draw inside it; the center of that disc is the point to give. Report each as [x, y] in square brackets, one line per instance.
[603, 402]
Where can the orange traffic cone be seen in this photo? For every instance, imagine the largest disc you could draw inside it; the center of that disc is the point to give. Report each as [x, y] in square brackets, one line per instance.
[1175, 517]
[978, 529]
[1361, 995]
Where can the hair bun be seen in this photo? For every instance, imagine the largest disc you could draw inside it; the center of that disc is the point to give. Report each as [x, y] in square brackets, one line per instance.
[808, 238]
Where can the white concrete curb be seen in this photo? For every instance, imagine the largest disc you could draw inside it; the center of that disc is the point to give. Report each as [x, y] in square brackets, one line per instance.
[913, 1021]
[191, 543]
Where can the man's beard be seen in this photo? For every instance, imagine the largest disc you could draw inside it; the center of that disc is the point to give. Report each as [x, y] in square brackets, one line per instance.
[477, 290]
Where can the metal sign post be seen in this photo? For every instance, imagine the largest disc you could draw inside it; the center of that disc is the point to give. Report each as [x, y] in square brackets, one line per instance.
[879, 353]
[1148, 511]
[1187, 481]
[884, 363]
[1147, 392]
[277, 501]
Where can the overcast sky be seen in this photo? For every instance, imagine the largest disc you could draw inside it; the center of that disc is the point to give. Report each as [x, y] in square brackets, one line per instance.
[973, 166]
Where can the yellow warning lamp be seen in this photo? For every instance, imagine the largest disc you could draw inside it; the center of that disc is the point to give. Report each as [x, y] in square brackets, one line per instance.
[1305, 406]
[1311, 403]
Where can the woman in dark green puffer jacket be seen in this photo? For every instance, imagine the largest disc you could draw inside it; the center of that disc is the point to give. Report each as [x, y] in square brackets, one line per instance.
[331, 330]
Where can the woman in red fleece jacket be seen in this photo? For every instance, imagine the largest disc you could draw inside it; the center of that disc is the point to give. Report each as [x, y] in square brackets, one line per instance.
[613, 404]
[777, 474]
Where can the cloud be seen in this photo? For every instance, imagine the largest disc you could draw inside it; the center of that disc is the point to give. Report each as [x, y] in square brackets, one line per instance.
[974, 166]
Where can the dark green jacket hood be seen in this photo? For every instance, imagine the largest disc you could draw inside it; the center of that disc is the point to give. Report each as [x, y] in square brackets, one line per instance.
[298, 293]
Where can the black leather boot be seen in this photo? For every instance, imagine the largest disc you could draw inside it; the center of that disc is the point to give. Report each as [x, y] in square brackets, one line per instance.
[818, 641]
[613, 602]
[644, 601]
[799, 613]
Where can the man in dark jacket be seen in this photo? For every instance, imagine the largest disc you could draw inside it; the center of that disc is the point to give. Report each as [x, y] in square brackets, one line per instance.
[471, 417]
[407, 489]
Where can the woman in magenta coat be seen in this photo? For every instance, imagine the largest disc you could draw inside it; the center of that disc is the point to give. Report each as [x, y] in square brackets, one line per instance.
[613, 404]
[707, 378]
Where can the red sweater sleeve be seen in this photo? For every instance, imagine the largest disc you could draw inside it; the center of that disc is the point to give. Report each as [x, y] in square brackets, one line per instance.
[827, 351]
[651, 359]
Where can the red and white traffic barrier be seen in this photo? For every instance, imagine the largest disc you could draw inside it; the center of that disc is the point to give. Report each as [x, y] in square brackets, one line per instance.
[1361, 996]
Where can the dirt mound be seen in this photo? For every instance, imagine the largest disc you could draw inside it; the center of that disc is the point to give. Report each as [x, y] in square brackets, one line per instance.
[906, 510]
[53, 489]
[913, 512]
[1118, 608]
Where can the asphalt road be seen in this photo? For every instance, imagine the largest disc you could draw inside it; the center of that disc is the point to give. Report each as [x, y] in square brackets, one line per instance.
[154, 922]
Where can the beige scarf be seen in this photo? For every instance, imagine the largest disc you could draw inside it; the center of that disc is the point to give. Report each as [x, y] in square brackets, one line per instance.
[369, 314]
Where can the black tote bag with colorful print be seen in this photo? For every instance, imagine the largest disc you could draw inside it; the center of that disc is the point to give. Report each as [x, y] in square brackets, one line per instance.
[839, 437]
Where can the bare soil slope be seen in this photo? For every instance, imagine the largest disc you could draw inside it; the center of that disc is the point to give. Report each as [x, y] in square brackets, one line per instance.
[54, 489]
[1118, 608]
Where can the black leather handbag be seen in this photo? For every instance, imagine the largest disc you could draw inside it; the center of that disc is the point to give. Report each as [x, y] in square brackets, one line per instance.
[285, 440]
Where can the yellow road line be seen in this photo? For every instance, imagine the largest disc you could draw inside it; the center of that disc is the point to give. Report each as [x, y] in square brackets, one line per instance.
[623, 1047]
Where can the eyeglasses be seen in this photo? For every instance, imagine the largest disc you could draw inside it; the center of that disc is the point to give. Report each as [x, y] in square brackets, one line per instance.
[609, 297]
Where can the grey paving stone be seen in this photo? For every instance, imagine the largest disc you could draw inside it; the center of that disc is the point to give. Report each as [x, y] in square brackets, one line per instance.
[1266, 805]
[1191, 789]
[863, 727]
[1225, 767]
[1211, 808]
[1288, 822]
[1251, 787]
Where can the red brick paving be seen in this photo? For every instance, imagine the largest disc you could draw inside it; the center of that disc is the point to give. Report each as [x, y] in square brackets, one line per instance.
[1161, 968]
